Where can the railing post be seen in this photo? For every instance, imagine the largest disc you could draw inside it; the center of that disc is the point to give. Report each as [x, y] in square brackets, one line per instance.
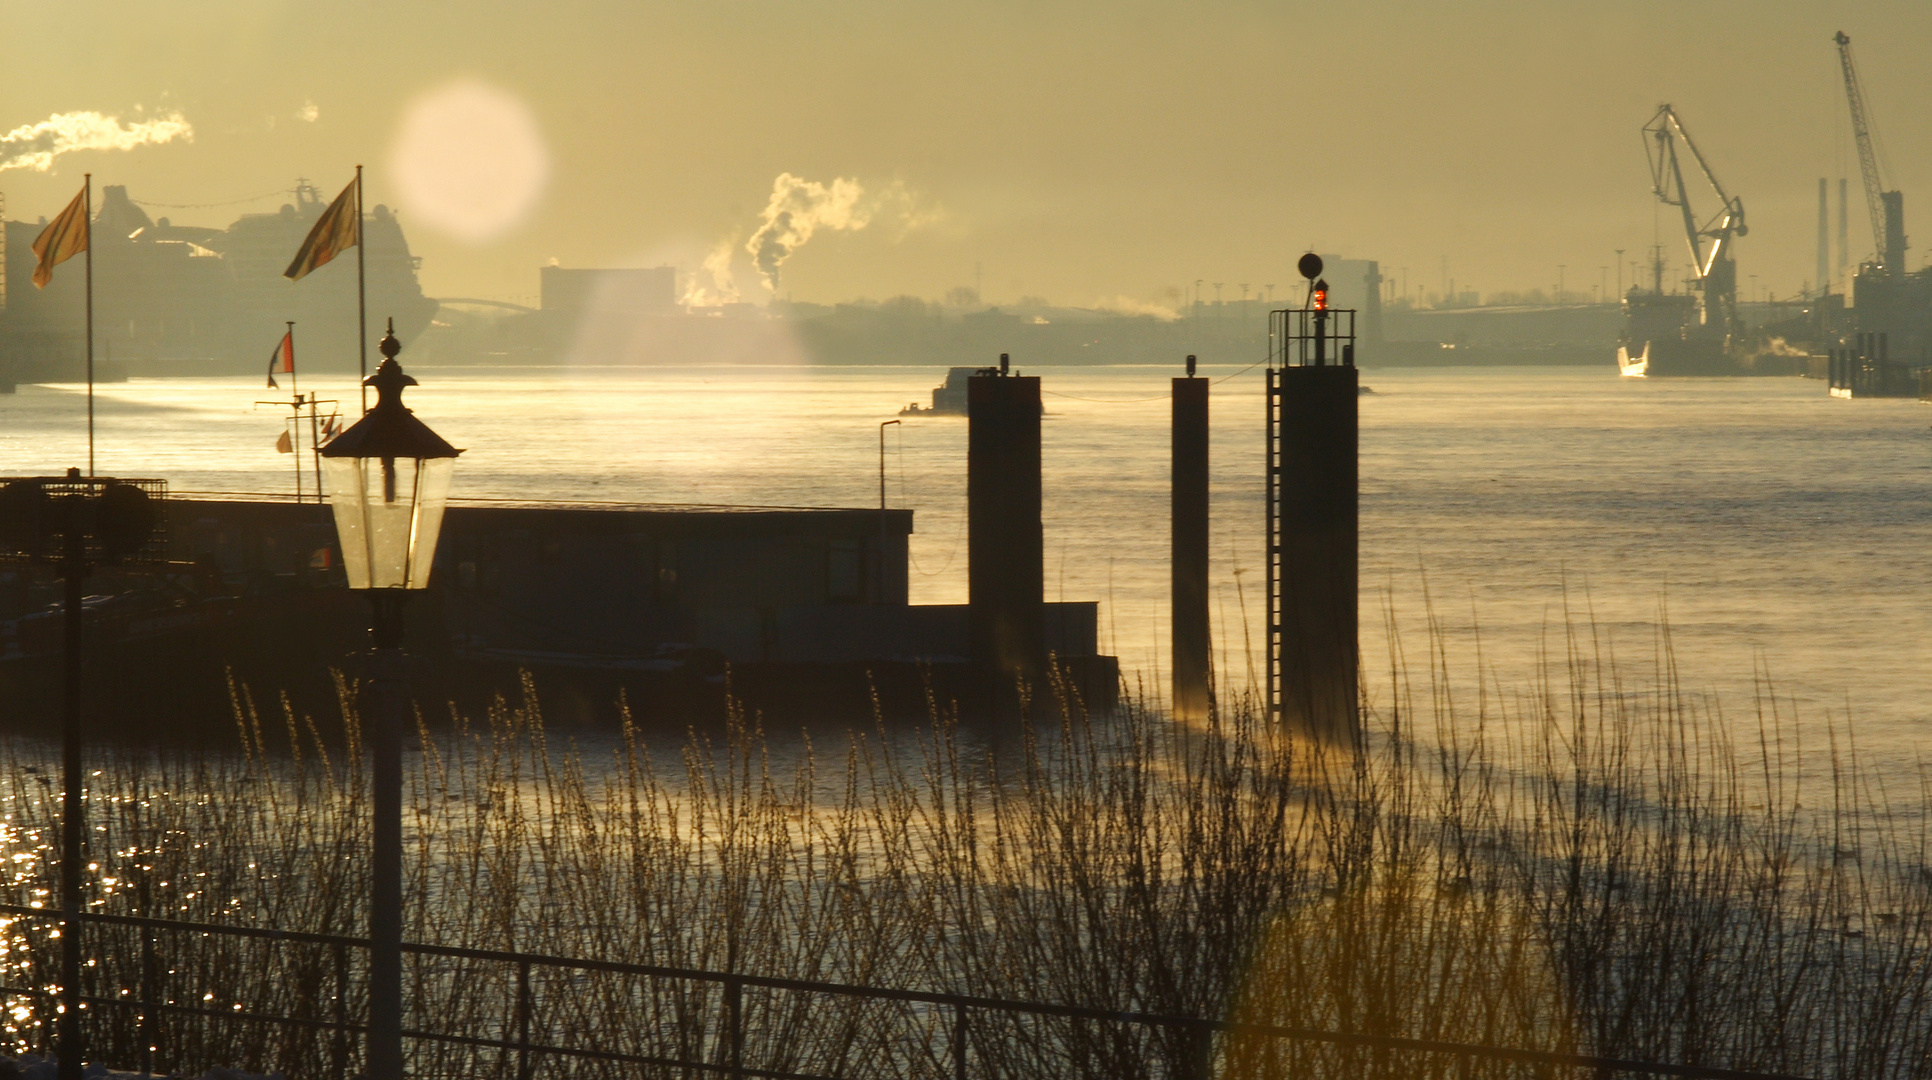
[1200, 1050]
[523, 1020]
[341, 1012]
[150, 1004]
[734, 1026]
[959, 1042]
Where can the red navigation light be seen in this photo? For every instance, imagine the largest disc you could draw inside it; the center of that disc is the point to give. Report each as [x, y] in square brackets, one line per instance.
[1321, 299]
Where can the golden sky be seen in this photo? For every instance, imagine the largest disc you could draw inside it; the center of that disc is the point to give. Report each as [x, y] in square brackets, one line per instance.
[1075, 152]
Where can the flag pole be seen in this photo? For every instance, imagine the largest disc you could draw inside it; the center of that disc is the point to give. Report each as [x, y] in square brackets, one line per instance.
[362, 295]
[295, 425]
[315, 446]
[89, 222]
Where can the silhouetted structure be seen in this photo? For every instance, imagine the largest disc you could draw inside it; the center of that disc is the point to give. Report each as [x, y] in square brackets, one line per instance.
[1313, 653]
[1190, 546]
[1006, 559]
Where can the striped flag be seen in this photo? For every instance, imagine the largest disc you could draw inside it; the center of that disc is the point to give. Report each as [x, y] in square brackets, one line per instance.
[337, 230]
[282, 360]
[62, 239]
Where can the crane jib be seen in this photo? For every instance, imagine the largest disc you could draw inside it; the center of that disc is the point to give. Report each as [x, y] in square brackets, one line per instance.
[1867, 160]
[1666, 129]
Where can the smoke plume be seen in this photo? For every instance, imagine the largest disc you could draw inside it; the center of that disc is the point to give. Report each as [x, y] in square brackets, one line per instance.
[797, 209]
[35, 146]
[723, 287]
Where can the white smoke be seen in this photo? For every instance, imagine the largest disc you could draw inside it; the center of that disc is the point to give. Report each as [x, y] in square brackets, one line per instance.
[797, 209]
[1127, 305]
[723, 284]
[35, 146]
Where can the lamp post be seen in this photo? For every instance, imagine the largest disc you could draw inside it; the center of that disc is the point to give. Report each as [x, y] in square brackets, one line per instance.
[882, 426]
[76, 523]
[389, 478]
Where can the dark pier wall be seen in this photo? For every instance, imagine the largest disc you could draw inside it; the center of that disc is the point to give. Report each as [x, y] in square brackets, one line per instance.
[1318, 643]
[1190, 548]
[1006, 558]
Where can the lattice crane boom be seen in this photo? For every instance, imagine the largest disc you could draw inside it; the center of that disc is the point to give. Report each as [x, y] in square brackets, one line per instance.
[1862, 134]
[1662, 134]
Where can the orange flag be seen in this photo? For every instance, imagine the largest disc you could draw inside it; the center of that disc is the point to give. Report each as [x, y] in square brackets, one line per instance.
[337, 230]
[62, 239]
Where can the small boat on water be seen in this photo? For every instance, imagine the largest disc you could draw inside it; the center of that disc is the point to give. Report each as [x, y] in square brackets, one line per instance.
[949, 398]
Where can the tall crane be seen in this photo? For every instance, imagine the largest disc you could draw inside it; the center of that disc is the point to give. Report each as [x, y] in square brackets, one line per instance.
[1716, 272]
[1887, 208]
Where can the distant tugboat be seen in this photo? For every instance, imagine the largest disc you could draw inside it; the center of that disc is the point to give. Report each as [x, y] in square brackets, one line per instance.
[949, 398]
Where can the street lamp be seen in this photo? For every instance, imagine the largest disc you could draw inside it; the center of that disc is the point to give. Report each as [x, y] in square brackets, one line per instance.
[388, 478]
[77, 523]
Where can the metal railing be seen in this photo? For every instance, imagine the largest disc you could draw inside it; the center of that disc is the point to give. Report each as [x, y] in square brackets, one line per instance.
[957, 1008]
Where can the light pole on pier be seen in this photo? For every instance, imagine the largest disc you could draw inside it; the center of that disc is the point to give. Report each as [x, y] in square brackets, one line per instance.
[389, 477]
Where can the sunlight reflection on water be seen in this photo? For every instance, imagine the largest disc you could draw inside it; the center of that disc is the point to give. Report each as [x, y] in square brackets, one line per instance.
[1776, 525]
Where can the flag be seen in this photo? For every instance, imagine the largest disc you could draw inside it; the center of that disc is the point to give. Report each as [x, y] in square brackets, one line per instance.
[62, 239]
[284, 445]
[337, 230]
[331, 426]
[282, 360]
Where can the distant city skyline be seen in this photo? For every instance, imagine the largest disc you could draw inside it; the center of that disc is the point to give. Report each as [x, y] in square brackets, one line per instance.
[861, 150]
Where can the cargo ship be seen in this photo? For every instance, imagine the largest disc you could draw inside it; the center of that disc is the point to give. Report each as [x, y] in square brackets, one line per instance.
[1666, 334]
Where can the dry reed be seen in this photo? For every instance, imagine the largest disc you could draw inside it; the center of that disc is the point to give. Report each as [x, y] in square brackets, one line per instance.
[1582, 865]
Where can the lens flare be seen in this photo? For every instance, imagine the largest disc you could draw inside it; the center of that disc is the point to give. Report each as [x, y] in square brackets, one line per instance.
[469, 160]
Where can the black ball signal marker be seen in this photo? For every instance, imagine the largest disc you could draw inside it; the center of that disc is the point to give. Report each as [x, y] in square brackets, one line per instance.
[1310, 266]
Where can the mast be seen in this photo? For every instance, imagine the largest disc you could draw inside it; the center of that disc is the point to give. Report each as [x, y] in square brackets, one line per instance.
[362, 295]
[295, 425]
[88, 211]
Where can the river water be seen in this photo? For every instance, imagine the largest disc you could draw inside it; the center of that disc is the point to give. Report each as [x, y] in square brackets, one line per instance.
[1780, 530]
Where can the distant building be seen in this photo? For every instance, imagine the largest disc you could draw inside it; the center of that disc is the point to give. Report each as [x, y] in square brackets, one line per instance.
[572, 292]
[194, 300]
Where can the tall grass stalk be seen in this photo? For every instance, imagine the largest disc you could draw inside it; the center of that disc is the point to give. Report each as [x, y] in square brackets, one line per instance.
[1586, 864]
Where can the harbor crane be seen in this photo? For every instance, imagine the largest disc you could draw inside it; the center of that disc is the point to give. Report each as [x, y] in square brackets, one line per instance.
[1887, 208]
[1716, 272]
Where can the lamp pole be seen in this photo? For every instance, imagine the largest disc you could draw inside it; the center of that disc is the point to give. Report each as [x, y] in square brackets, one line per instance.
[388, 689]
[882, 502]
[880, 575]
[74, 522]
[73, 572]
[388, 477]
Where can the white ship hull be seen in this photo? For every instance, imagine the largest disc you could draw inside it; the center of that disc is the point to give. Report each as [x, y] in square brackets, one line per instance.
[1633, 367]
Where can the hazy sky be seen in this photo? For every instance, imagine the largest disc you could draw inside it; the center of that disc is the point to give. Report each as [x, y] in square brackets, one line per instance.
[1076, 152]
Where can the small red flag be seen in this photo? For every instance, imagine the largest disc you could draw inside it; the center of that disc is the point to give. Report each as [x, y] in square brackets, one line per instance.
[282, 360]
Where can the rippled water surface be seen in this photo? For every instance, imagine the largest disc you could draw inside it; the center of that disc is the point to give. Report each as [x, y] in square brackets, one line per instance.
[1780, 529]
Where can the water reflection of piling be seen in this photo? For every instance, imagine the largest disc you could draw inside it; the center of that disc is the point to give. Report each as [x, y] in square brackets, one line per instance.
[1190, 546]
[1006, 558]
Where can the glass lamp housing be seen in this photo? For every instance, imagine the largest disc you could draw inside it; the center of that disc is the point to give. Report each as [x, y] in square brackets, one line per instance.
[388, 479]
[388, 512]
